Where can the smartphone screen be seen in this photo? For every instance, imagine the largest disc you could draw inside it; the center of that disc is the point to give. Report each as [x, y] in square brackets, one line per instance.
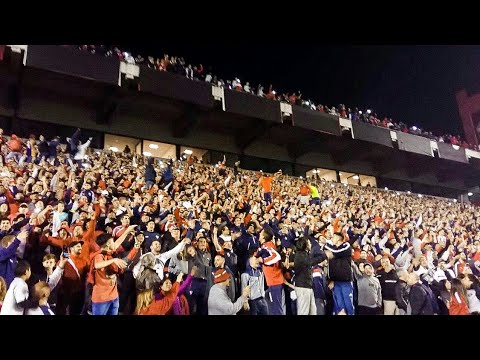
[65, 252]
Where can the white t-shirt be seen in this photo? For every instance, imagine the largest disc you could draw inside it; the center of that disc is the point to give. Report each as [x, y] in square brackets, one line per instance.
[17, 293]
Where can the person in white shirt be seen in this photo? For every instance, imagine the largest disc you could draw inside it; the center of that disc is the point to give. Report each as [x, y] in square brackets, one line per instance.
[81, 150]
[17, 293]
[160, 259]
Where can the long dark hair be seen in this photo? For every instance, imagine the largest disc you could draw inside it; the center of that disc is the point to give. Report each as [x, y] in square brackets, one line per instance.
[457, 287]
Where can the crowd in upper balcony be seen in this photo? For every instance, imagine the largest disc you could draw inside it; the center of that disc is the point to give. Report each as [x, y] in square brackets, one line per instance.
[180, 66]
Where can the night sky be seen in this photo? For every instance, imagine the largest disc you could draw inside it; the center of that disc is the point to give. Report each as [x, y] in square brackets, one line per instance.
[414, 84]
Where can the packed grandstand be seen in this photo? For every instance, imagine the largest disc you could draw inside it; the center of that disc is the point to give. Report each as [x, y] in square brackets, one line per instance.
[102, 232]
[86, 231]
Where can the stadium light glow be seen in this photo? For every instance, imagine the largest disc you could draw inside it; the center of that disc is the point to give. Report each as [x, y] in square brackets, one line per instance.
[113, 148]
[356, 177]
[470, 194]
[153, 146]
[146, 153]
[188, 152]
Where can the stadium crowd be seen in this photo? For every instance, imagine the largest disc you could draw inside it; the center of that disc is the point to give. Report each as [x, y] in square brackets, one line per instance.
[107, 233]
[179, 66]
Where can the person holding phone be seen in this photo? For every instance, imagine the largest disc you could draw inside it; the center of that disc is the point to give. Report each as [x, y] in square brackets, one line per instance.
[218, 301]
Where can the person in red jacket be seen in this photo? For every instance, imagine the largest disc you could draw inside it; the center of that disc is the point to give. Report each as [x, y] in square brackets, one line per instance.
[148, 305]
[459, 299]
[271, 261]
[15, 145]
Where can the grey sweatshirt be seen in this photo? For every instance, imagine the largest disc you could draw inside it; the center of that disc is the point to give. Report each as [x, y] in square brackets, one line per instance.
[220, 304]
[369, 292]
[256, 283]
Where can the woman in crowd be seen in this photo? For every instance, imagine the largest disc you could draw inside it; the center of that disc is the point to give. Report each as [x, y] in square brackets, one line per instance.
[147, 304]
[472, 286]
[459, 298]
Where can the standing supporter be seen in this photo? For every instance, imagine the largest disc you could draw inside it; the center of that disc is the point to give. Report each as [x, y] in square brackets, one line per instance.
[105, 300]
[148, 305]
[418, 301]
[271, 261]
[266, 183]
[202, 259]
[303, 279]
[255, 280]
[369, 290]
[472, 286]
[340, 274]
[459, 298]
[15, 145]
[17, 295]
[8, 259]
[388, 280]
[218, 301]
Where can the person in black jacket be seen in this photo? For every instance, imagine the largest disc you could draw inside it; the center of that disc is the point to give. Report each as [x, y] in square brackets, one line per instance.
[150, 174]
[42, 149]
[303, 279]
[388, 281]
[402, 291]
[340, 274]
[419, 302]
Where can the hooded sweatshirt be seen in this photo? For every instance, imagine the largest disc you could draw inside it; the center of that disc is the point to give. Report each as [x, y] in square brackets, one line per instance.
[256, 280]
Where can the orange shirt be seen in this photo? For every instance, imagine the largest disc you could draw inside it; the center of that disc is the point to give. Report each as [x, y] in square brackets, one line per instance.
[105, 288]
[102, 185]
[267, 183]
[304, 190]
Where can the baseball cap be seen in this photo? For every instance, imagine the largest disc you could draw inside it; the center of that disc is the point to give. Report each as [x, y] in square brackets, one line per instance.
[221, 275]
[73, 243]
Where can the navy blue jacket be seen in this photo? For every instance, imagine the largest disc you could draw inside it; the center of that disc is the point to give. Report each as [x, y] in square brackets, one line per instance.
[150, 173]
[8, 261]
